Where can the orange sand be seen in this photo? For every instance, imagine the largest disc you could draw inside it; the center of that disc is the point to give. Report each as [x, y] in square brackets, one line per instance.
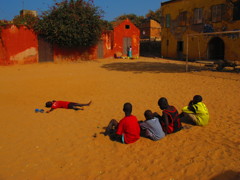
[61, 146]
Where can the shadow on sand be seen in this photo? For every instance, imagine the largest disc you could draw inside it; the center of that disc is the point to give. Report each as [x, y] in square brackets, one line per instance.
[227, 175]
[153, 67]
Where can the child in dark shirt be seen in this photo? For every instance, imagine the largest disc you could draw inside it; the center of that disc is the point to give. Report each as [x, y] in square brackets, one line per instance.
[169, 120]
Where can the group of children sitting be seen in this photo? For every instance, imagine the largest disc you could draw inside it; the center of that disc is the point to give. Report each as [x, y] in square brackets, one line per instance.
[156, 126]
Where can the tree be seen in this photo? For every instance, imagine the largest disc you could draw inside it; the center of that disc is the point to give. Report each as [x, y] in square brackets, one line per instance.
[155, 15]
[27, 20]
[71, 23]
[3, 22]
[137, 20]
[106, 25]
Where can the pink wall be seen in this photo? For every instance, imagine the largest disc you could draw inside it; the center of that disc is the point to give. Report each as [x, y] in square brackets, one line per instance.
[18, 45]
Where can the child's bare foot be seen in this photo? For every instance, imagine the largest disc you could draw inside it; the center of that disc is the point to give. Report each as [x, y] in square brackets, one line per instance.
[186, 127]
[76, 109]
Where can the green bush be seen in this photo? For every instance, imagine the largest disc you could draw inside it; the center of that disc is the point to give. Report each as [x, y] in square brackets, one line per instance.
[27, 20]
[74, 23]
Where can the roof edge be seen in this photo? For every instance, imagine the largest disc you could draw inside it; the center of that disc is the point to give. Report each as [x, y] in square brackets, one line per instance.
[168, 2]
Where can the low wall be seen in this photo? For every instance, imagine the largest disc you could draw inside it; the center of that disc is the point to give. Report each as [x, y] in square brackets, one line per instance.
[18, 45]
[74, 54]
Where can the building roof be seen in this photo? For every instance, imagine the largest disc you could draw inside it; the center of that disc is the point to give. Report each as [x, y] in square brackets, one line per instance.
[167, 2]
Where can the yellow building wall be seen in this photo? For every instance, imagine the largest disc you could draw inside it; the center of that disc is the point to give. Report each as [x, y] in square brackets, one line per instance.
[151, 29]
[198, 46]
[155, 29]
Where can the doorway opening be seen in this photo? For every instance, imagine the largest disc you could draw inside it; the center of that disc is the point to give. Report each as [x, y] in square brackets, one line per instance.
[216, 49]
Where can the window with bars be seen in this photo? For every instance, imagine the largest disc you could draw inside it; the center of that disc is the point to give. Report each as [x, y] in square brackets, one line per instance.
[168, 20]
[217, 11]
[183, 18]
[162, 21]
[198, 16]
[236, 10]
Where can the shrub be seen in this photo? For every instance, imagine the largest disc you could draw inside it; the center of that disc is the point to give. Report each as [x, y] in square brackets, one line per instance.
[27, 20]
[74, 23]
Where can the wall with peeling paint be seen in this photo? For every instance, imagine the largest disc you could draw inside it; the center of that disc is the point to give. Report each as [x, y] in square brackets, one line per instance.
[18, 45]
[174, 31]
[126, 29]
[79, 54]
[150, 30]
[112, 43]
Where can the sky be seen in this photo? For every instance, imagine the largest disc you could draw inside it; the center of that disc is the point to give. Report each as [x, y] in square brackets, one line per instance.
[112, 8]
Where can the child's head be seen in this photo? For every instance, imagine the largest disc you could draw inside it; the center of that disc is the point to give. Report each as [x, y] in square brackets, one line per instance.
[148, 114]
[197, 99]
[49, 104]
[163, 103]
[127, 108]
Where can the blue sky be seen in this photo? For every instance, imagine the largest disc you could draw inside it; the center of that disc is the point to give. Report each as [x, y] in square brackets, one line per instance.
[112, 8]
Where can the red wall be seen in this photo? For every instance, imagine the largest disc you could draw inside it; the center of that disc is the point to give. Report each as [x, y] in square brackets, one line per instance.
[120, 32]
[107, 38]
[18, 45]
[73, 54]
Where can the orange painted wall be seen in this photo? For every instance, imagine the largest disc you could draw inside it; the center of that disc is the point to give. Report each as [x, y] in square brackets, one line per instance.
[107, 38]
[120, 32]
[73, 54]
[112, 43]
[18, 45]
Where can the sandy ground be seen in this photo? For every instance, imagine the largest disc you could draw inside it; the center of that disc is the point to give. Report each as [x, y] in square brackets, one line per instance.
[61, 145]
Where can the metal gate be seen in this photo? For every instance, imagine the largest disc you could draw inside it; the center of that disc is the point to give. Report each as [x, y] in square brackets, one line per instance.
[45, 50]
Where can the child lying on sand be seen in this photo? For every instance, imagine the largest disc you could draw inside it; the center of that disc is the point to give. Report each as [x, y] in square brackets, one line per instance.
[64, 104]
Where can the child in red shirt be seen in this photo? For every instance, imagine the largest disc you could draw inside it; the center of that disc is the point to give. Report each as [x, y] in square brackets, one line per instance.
[64, 104]
[127, 130]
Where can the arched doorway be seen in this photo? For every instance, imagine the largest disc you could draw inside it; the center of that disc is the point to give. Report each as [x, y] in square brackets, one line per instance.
[216, 49]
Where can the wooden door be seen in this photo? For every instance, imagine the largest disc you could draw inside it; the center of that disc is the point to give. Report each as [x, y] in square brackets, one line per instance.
[45, 51]
[100, 51]
[127, 41]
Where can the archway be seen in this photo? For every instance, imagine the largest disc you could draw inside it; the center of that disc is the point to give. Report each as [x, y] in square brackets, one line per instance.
[216, 49]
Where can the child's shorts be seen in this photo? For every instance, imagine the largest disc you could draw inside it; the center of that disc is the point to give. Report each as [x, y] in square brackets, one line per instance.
[123, 139]
[193, 117]
[71, 105]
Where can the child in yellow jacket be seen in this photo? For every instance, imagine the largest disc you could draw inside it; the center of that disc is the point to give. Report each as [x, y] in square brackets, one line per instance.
[196, 111]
